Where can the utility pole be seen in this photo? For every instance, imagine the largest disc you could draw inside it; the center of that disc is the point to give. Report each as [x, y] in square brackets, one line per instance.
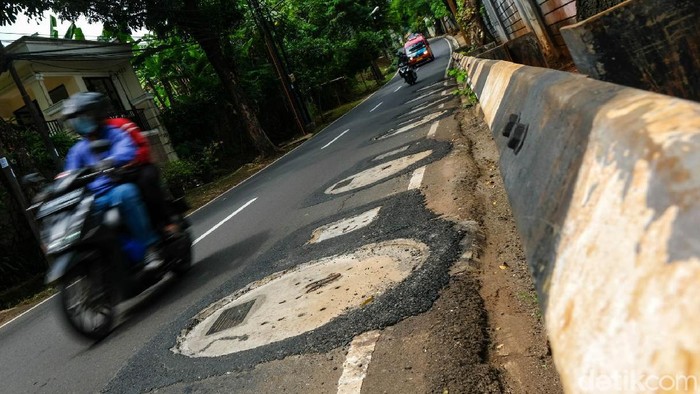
[16, 191]
[301, 116]
[6, 64]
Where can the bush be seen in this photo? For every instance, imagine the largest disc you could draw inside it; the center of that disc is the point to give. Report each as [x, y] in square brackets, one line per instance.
[180, 175]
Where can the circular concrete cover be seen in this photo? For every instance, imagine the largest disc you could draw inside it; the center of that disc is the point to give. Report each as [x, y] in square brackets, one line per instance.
[344, 226]
[293, 302]
[377, 173]
[425, 120]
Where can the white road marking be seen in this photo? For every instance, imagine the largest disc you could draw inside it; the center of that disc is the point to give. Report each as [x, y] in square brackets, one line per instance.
[27, 311]
[416, 179]
[441, 106]
[377, 106]
[211, 230]
[428, 118]
[424, 95]
[397, 89]
[421, 107]
[357, 362]
[433, 129]
[335, 139]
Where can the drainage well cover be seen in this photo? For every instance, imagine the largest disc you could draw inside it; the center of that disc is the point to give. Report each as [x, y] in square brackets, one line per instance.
[293, 302]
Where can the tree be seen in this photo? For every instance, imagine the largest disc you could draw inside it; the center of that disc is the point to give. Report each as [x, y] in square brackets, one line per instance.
[208, 22]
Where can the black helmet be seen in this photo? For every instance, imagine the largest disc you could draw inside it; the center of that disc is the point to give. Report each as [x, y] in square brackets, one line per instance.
[84, 111]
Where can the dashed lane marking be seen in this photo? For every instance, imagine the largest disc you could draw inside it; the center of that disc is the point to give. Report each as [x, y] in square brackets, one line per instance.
[416, 179]
[397, 89]
[211, 230]
[357, 362]
[376, 106]
[433, 129]
[334, 139]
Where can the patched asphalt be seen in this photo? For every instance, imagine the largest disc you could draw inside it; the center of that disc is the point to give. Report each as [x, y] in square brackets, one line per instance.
[402, 216]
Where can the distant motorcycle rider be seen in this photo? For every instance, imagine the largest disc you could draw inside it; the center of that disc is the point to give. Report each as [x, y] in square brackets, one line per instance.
[84, 113]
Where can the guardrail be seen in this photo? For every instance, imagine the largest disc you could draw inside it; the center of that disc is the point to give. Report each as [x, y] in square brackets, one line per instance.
[604, 184]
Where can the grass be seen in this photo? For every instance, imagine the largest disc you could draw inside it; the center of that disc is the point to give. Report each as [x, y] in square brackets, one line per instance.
[530, 299]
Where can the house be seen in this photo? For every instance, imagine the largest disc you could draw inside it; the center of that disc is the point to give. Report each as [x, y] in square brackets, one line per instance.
[52, 70]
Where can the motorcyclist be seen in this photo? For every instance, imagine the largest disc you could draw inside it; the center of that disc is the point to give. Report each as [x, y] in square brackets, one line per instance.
[83, 112]
[403, 58]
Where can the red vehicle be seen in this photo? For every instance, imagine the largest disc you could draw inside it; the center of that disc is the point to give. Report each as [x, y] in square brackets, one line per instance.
[418, 50]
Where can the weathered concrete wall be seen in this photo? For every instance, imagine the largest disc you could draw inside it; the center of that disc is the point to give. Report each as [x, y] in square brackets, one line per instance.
[588, 8]
[605, 189]
[526, 50]
[647, 44]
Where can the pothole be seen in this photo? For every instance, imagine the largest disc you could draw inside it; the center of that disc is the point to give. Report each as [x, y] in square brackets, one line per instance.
[293, 302]
[426, 119]
[377, 173]
[391, 153]
[344, 226]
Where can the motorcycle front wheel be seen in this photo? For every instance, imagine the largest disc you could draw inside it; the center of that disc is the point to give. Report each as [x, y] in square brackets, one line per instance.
[87, 302]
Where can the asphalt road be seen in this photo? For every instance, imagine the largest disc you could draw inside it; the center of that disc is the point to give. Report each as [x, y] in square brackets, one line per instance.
[257, 229]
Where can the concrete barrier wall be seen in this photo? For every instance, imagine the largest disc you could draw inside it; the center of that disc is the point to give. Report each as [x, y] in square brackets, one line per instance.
[604, 183]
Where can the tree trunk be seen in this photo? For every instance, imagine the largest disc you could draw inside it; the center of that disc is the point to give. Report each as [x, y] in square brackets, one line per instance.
[209, 41]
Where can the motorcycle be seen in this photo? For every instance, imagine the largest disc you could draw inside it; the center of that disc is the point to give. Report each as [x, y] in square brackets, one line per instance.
[94, 260]
[408, 73]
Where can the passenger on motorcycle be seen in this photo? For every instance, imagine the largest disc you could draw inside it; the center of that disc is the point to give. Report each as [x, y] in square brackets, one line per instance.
[84, 113]
[146, 176]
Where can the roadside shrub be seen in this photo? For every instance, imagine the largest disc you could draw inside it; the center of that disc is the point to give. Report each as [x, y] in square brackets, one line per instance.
[461, 77]
[180, 175]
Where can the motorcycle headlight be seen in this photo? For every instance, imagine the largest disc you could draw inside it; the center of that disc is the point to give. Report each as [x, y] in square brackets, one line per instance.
[66, 228]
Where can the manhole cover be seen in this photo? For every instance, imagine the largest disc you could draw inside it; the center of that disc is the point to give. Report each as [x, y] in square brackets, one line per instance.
[231, 317]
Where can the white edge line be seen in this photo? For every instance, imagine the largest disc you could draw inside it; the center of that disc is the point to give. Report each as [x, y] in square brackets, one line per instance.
[211, 230]
[377, 106]
[433, 129]
[449, 62]
[417, 178]
[357, 362]
[335, 139]
[25, 312]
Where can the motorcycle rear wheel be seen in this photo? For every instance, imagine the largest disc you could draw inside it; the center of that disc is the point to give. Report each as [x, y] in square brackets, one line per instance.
[87, 302]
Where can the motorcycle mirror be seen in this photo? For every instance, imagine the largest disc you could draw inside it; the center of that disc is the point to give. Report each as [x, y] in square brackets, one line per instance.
[100, 146]
[32, 178]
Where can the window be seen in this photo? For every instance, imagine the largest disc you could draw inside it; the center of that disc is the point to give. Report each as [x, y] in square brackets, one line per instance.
[23, 117]
[58, 94]
[105, 86]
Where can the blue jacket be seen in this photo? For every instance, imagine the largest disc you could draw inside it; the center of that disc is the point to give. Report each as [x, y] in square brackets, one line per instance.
[122, 151]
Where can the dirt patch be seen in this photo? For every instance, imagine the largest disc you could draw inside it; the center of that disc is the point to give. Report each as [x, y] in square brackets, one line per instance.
[467, 186]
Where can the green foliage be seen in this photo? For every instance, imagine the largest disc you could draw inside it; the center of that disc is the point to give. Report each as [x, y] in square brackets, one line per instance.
[461, 78]
[184, 174]
[411, 15]
[180, 174]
